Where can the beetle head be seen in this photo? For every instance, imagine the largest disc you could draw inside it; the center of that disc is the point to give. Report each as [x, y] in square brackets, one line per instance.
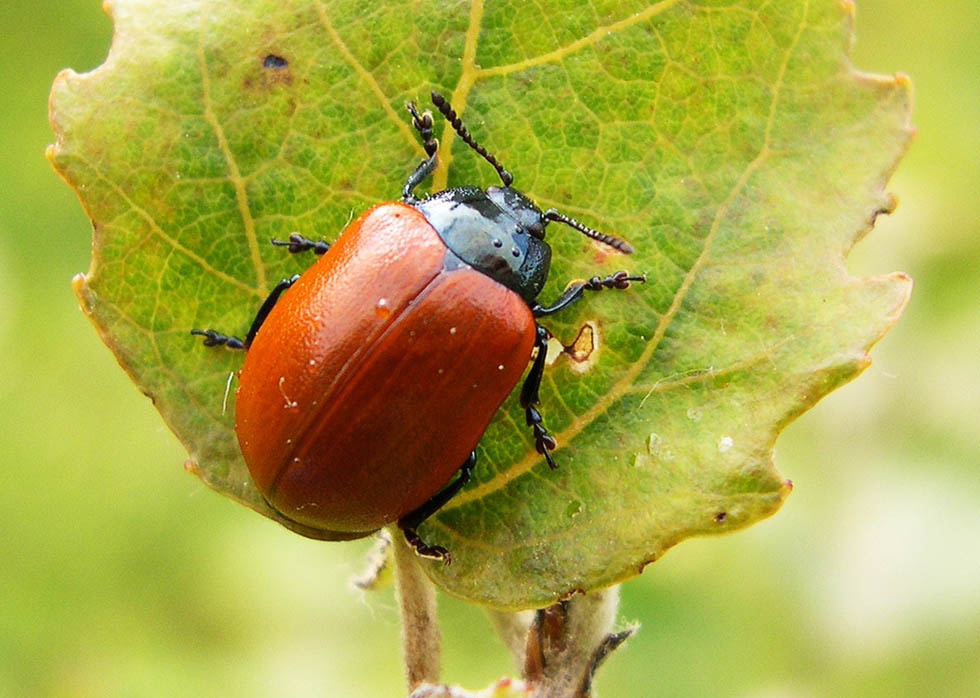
[528, 216]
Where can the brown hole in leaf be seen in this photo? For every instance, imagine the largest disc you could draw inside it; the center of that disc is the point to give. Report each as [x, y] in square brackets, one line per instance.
[581, 352]
[584, 345]
[275, 62]
[276, 72]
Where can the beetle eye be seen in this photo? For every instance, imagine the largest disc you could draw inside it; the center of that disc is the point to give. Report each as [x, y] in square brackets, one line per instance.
[536, 229]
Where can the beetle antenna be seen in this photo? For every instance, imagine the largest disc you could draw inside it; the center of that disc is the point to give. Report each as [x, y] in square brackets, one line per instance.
[605, 238]
[453, 118]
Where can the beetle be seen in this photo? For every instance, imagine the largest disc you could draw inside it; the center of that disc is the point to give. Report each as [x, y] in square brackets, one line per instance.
[369, 379]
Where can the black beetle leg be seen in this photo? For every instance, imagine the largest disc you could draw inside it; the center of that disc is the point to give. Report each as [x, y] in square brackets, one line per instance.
[412, 520]
[423, 124]
[543, 441]
[214, 338]
[574, 291]
[266, 308]
[297, 243]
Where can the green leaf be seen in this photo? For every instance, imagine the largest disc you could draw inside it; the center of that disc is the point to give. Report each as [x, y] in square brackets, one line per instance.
[730, 141]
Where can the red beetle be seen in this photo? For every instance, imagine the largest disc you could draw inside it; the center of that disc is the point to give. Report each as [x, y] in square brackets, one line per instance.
[369, 383]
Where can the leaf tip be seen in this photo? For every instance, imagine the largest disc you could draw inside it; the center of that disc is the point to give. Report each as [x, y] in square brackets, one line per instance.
[79, 286]
[903, 283]
[646, 562]
[895, 288]
[58, 85]
[61, 81]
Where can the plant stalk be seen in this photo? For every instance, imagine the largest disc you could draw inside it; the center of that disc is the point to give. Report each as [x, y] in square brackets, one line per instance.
[568, 641]
[421, 641]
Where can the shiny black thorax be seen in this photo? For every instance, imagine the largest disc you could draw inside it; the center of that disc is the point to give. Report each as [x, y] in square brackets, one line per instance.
[497, 231]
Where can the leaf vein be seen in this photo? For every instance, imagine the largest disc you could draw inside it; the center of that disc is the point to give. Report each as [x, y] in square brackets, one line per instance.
[587, 40]
[157, 230]
[365, 76]
[234, 174]
[467, 76]
[573, 530]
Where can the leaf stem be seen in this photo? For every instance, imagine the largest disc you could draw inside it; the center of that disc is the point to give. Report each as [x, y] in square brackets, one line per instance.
[421, 642]
[568, 640]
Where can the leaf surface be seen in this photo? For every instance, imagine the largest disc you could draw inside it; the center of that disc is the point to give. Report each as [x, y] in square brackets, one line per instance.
[730, 141]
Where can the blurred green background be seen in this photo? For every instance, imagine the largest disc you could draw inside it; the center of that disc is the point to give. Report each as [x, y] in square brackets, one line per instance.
[121, 575]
